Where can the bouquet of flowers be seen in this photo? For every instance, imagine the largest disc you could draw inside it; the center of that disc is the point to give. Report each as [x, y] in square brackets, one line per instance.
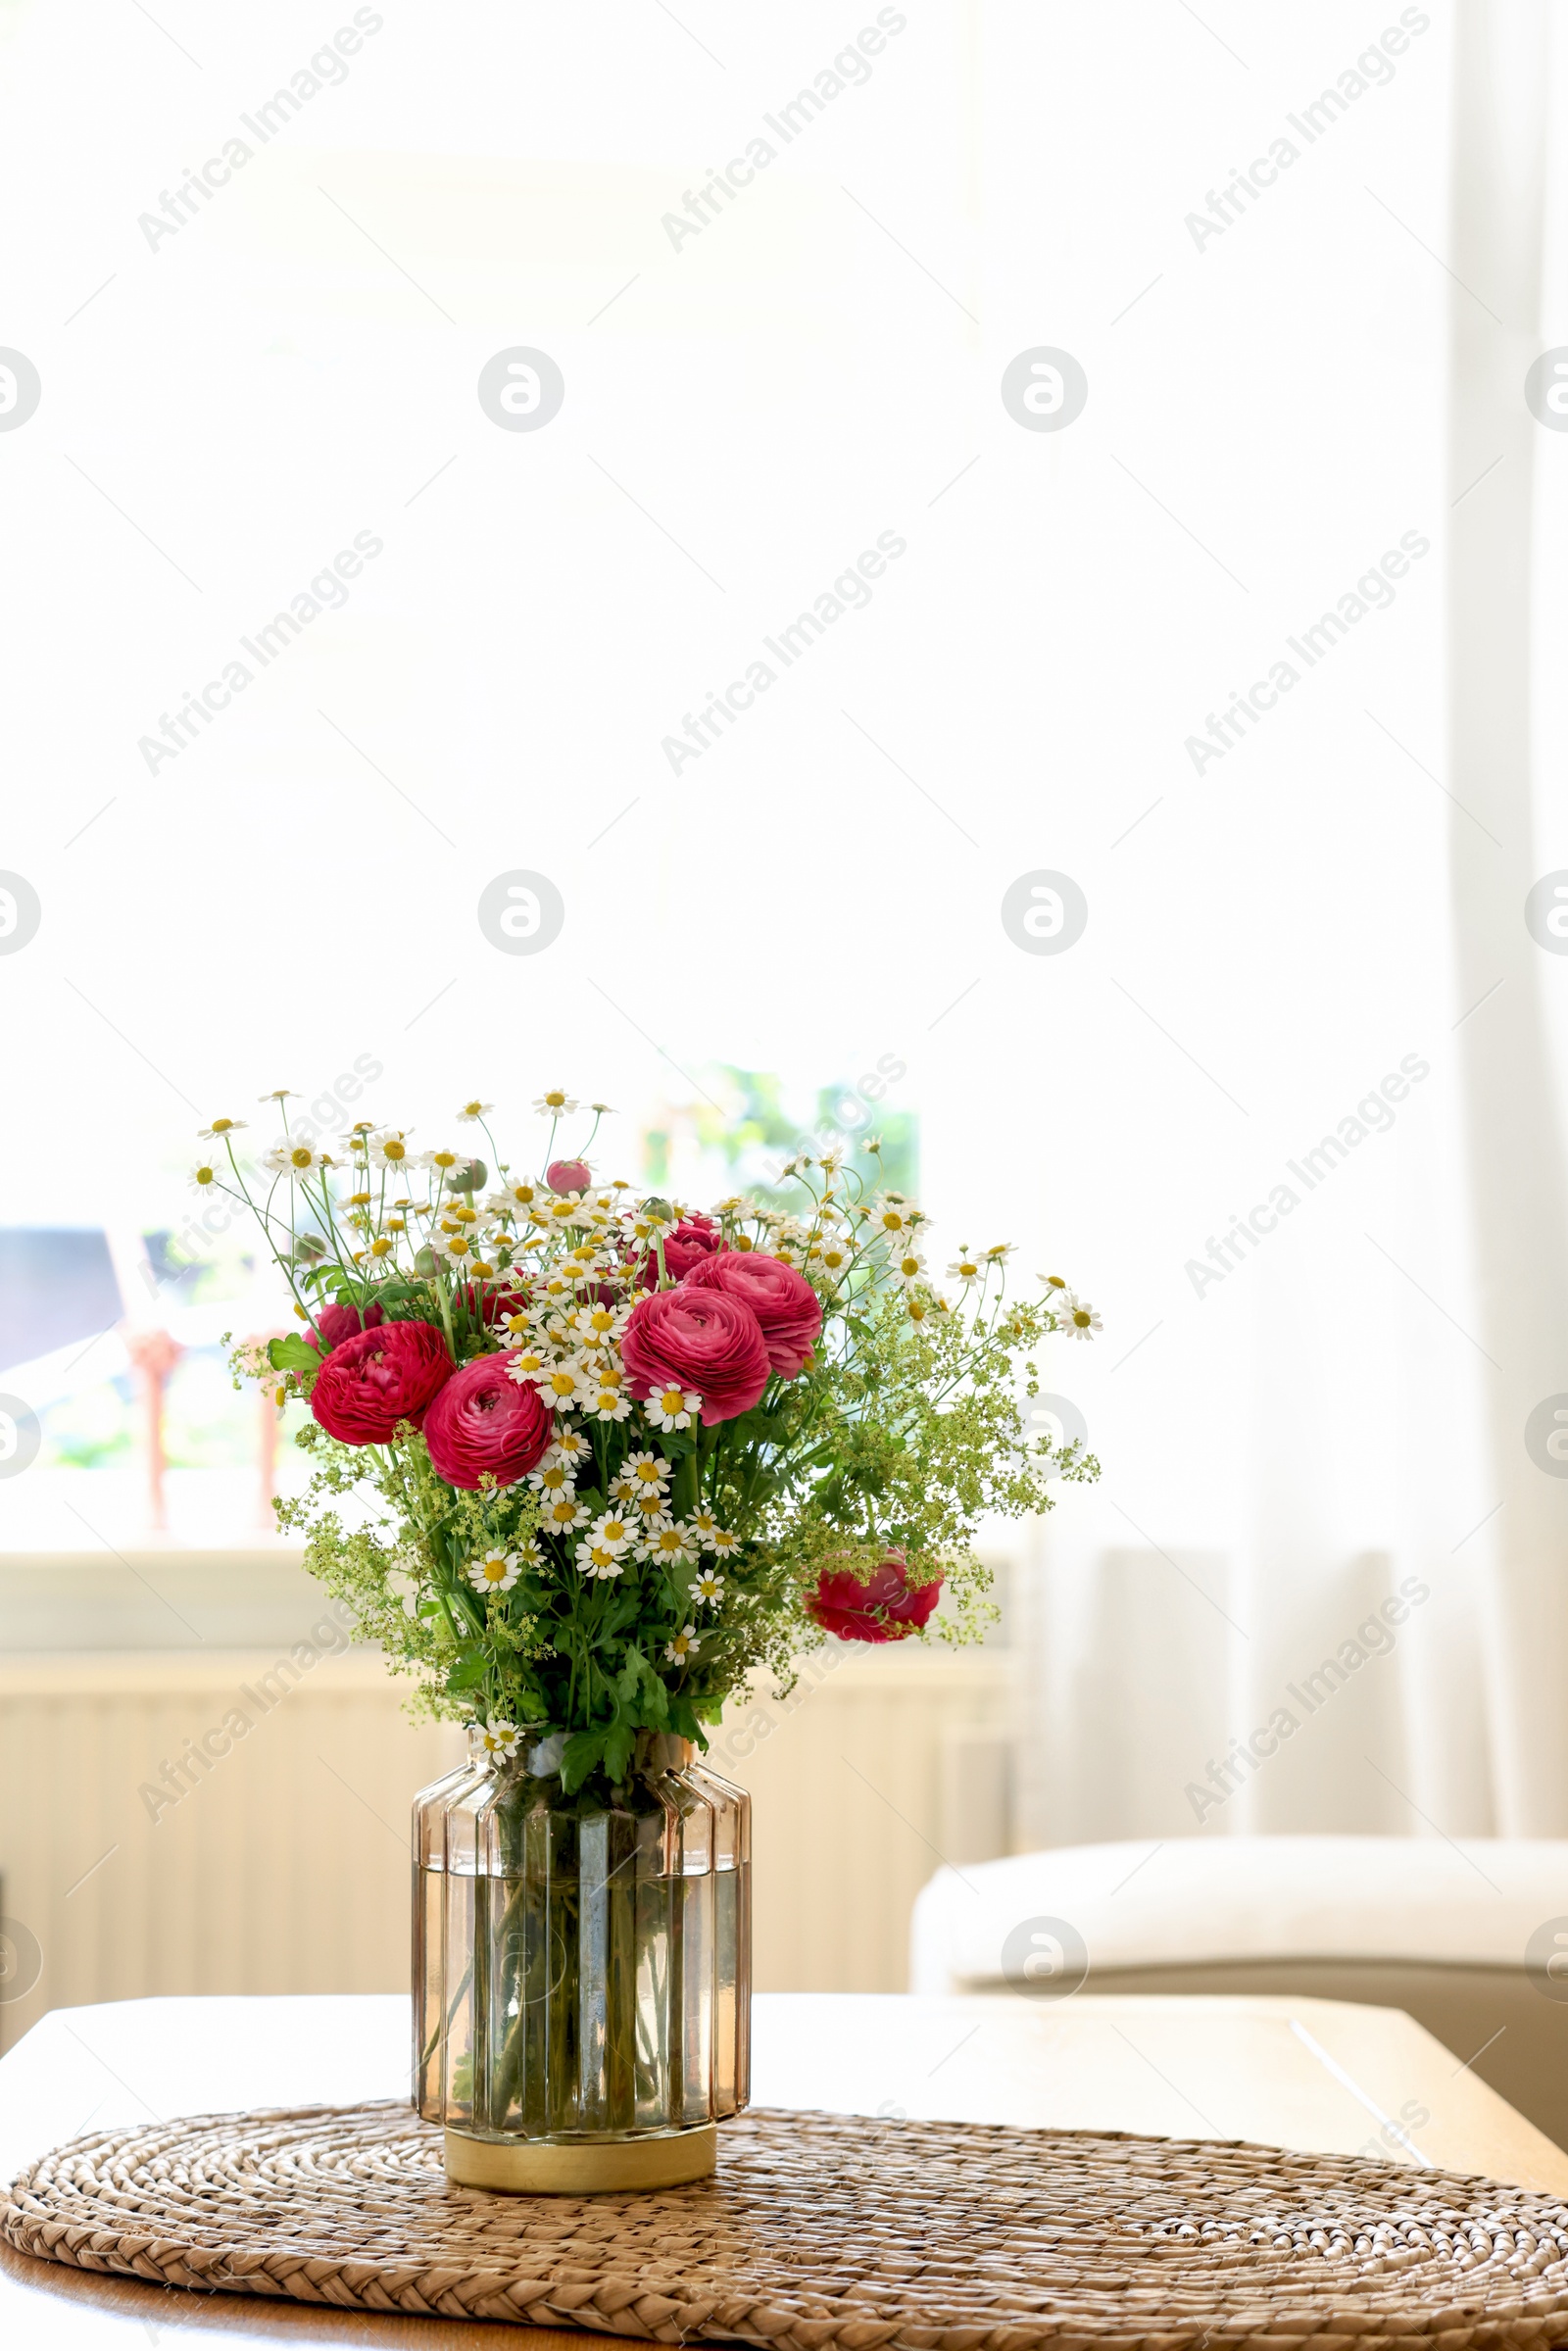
[608, 1455]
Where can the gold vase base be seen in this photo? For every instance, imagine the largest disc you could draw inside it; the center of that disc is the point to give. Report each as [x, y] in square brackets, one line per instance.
[582, 2167]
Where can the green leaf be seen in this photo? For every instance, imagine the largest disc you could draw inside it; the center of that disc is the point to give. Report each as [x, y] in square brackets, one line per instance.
[472, 1667]
[582, 1751]
[293, 1353]
[684, 1722]
[619, 1744]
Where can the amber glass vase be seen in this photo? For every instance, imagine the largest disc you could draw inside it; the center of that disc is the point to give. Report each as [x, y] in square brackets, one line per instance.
[581, 1969]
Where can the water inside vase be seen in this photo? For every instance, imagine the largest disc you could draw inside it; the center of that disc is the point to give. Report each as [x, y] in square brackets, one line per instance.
[582, 1966]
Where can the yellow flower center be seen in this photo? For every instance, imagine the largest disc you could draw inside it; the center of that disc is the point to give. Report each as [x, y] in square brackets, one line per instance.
[563, 1383]
[299, 1156]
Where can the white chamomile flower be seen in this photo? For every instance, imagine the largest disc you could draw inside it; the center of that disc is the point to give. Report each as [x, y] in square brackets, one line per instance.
[570, 1445]
[1076, 1319]
[722, 1543]
[391, 1148]
[1054, 1285]
[1000, 1251]
[833, 1255]
[291, 1158]
[601, 1560]
[500, 1740]
[512, 1195]
[892, 1214]
[553, 1475]
[598, 1323]
[279, 1094]
[555, 1102]
[672, 1407]
[908, 1264]
[205, 1177]
[648, 1471]
[670, 1544]
[610, 1402]
[831, 1161]
[966, 1267]
[475, 1110]
[623, 1489]
[561, 1384]
[525, 1365]
[709, 1587]
[685, 1645]
[703, 1526]
[218, 1129]
[564, 1514]
[614, 1528]
[497, 1571]
[458, 1245]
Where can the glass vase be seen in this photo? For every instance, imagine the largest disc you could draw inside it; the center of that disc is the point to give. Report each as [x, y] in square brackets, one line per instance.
[581, 1969]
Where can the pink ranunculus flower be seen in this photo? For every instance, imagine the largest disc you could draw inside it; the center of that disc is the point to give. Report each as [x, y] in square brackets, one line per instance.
[483, 1420]
[374, 1379]
[336, 1323]
[884, 1607]
[568, 1175]
[697, 1339]
[688, 1244]
[782, 1300]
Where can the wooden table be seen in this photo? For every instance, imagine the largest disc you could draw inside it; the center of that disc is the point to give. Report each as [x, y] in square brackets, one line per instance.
[1315, 2075]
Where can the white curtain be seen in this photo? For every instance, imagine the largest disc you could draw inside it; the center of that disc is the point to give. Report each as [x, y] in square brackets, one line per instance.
[1343, 1421]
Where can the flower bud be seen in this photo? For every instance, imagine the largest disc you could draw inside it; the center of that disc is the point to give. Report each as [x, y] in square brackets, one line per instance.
[568, 1175]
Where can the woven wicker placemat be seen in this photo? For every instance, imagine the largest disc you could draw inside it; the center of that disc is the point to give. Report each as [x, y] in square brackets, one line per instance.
[827, 2229]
